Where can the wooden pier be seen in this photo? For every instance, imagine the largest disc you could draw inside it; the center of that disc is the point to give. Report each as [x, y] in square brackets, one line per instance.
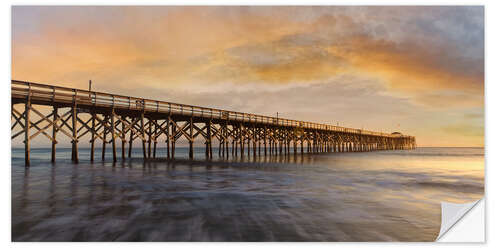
[116, 118]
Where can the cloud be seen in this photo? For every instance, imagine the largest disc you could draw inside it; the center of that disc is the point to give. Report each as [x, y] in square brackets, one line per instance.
[412, 69]
[182, 45]
[377, 66]
[464, 130]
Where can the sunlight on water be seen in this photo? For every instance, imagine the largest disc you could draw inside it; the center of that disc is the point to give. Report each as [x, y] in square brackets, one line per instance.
[371, 196]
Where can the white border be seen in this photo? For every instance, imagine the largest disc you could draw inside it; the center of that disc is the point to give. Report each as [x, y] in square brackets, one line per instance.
[492, 15]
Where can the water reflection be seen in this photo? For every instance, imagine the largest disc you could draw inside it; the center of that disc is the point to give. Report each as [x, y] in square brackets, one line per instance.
[375, 196]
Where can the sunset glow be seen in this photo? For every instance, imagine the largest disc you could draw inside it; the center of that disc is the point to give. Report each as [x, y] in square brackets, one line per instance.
[418, 70]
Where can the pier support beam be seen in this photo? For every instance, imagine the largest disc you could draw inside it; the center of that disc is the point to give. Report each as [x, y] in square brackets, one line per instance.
[226, 140]
[242, 141]
[167, 141]
[124, 139]
[92, 137]
[54, 132]
[74, 113]
[143, 132]
[265, 142]
[254, 139]
[113, 135]
[208, 149]
[104, 133]
[173, 138]
[154, 135]
[131, 138]
[150, 135]
[27, 109]
[191, 139]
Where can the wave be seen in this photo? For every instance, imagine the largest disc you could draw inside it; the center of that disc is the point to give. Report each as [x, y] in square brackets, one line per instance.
[431, 154]
[464, 187]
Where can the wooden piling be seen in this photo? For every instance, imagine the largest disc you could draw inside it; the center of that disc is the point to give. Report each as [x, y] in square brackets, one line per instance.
[191, 149]
[104, 133]
[123, 137]
[27, 125]
[173, 139]
[226, 140]
[149, 137]
[209, 139]
[131, 138]
[248, 146]
[92, 137]
[54, 133]
[265, 138]
[74, 114]
[167, 130]
[154, 138]
[113, 135]
[242, 141]
[143, 132]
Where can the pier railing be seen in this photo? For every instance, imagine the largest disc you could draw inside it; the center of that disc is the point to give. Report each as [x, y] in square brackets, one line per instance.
[57, 94]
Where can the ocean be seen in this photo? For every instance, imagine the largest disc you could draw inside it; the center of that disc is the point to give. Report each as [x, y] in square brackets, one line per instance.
[358, 196]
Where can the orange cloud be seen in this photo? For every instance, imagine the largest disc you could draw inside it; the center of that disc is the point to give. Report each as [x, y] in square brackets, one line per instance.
[163, 46]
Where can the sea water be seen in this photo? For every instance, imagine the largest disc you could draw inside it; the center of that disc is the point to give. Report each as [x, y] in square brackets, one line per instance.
[359, 196]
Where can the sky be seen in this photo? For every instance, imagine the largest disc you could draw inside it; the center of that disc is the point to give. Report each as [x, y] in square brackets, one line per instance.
[417, 70]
